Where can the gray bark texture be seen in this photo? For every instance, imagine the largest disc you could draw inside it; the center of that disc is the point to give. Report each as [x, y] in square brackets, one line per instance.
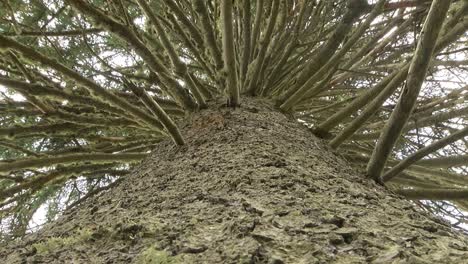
[251, 185]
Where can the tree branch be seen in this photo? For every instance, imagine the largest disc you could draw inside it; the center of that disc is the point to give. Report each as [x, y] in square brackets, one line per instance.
[229, 53]
[416, 75]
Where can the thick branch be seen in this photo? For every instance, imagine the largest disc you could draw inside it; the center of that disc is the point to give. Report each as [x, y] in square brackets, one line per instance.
[424, 152]
[157, 110]
[445, 162]
[416, 75]
[71, 158]
[434, 194]
[229, 53]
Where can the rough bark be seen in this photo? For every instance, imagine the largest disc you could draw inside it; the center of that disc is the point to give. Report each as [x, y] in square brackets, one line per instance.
[250, 186]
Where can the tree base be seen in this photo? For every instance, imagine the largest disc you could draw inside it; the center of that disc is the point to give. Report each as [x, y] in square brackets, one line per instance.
[250, 186]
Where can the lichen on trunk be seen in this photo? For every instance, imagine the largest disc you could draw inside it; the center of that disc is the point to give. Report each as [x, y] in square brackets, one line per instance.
[251, 185]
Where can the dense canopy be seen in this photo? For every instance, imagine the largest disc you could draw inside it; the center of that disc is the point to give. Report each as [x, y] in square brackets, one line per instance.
[88, 87]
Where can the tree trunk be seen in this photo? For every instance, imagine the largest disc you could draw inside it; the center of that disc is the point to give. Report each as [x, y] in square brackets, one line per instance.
[251, 186]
